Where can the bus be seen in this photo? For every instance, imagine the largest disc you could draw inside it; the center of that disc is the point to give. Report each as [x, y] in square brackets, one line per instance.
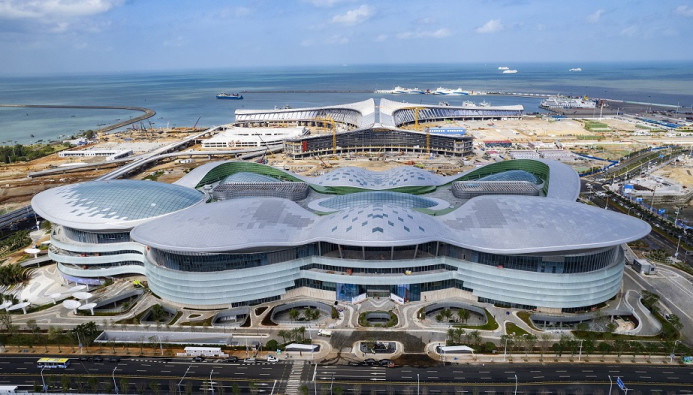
[53, 363]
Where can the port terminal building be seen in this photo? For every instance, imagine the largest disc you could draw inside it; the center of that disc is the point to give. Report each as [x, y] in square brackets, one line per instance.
[233, 233]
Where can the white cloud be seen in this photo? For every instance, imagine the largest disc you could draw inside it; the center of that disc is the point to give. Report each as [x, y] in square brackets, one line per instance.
[175, 42]
[492, 26]
[440, 33]
[426, 20]
[325, 3]
[337, 39]
[684, 10]
[234, 12]
[381, 38]
[630, 31]
[54, 9]
[594, 17]
[355, 16]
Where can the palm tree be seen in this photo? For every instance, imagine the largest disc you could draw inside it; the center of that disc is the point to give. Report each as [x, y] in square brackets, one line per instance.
[463, 314]
[283, 334]
[293, 314]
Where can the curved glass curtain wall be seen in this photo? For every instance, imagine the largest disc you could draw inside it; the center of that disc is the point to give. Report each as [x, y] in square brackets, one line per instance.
[513, 175]
[201, 262]
[94, 237]
[246, 176]
[368, 198]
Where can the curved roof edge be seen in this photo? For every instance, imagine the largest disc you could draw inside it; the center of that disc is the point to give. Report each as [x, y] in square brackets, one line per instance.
[560, 180]
[510, 225]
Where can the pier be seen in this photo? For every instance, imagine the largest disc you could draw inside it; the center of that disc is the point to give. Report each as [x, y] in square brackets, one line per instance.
[148, 113]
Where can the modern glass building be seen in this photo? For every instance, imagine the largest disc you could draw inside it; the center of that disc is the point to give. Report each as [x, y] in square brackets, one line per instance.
[402, 231]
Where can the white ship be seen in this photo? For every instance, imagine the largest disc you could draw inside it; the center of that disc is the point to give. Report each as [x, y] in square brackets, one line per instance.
[576, 69]
[468, 103]
[484, 104]
[562, 102]
[458, 92]
[399, 90]
[503, 68]
[513, 71]
[415, 91]
[442, 91]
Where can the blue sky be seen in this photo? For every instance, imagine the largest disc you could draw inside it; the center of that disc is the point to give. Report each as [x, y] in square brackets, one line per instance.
[74, 36]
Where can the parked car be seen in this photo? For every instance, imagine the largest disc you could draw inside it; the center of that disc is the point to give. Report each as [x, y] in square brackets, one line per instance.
[198, 359]
[249, 360]
[98, 359]
[386, 362]
[231, 359]
[369, 361]
[114, 359]
[272, 358]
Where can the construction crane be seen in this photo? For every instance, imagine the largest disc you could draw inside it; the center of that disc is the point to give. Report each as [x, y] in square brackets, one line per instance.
[266, 146]
[329, 120]
[416, 127]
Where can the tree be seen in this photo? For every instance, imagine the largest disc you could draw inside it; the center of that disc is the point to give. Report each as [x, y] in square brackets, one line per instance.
[439, 317]
[545, 339]
[124, 385]
[651, 347]
[272, 344]
[5, 321]
[252, 387]
[158, 313]
[620, 346]
[531, 341]
[293, 314]
[87, 332]
[236, 390]
[475, 336]
[604, 348]
[583, 326]
[675, 321]
[154, 386]
[589, 346]
[93, 383]
[463, 314]
[637, 348]
[283, 334]
[65, 383]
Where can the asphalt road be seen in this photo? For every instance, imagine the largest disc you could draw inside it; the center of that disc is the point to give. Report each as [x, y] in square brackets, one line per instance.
[273, 377]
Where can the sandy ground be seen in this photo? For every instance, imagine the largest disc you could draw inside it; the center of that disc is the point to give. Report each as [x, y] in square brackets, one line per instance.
[681, 173]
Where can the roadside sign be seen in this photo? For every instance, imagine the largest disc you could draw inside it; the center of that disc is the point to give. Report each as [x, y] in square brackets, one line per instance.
[620, 383]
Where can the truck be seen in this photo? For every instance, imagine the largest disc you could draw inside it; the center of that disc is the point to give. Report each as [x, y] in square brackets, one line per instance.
[323, 332]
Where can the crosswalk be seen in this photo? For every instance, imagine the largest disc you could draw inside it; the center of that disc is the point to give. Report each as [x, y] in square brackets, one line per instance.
[294, 382]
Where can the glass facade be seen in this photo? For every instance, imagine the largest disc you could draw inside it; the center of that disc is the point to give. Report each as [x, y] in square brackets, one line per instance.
[96, 238]
[201, 262]
[366, 198]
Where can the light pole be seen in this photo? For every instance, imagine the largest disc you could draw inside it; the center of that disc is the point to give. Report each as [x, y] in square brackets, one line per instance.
[515, 385]
[417, 384]
[115, 386]
[183, 378]
[676, 254]
[211, 385]
[505, 349]
[42, 380]
[673, 350]
[580, 354]
[611, 383]
[331, 382]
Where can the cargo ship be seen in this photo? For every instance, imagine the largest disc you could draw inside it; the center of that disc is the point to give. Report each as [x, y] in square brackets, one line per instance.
[230, 96]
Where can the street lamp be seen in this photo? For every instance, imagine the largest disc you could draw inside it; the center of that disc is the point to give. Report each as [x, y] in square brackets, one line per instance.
[580, 354]
[211, 385]
[515, 385]
[611, 383]
[676, 254]
[671, 357]
[42, 380]
[417, 384]
[183, 378]
[115, 386]
[505, 349]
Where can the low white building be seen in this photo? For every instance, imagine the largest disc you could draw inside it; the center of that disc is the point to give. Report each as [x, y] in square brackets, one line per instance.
[239, 137]
[110, 154]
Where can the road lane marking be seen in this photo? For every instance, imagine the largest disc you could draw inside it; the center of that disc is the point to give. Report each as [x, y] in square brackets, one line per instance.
[140, 370]
[21, 368]
[588, 371]
[165, 371]
[564, 377]
[538, 377]
[591, 376]
[672, 378]
[560, 371]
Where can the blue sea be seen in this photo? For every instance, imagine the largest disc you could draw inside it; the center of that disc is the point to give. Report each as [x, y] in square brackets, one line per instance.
[181, 97]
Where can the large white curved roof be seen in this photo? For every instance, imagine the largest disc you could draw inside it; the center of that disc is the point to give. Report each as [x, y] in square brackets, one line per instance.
[112, 205]
[494, 224]
[362, 113]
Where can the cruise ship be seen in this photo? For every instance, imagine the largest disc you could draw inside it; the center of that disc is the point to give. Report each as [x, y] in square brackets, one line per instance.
[562, 102]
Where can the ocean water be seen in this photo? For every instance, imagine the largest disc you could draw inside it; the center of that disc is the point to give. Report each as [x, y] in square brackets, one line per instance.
[181, 97]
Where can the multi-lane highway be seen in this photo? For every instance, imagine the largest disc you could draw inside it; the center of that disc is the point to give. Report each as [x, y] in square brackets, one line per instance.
[287, 377]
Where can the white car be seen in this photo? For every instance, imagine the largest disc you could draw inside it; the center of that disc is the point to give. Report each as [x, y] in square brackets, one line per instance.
[272, 358]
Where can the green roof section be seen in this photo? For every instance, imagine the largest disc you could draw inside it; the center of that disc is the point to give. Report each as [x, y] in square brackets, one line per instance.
[537, 168]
